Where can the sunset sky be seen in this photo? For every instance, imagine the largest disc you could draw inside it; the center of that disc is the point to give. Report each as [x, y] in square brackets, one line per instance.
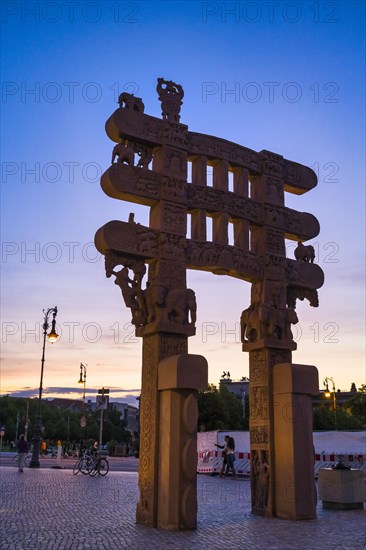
[284, 76]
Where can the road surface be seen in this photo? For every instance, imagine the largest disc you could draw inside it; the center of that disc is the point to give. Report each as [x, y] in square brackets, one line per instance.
[116, 463]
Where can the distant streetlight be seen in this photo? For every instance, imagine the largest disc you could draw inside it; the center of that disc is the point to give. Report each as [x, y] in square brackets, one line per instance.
[328, 394]
[102, 405]
[82, 380]
[52, 337]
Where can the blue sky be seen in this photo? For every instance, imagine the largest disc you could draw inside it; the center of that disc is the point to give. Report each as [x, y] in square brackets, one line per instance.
[283, 76]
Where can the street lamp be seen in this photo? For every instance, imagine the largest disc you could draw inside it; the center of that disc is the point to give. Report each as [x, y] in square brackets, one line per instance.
[82, 380]
[52, 337]
[328, 394]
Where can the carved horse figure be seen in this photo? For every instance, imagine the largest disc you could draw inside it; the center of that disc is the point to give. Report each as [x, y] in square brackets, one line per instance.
[304, 253]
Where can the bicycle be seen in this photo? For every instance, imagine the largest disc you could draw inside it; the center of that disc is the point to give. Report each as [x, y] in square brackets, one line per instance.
[27, 460]
[99, 465]
[84, 463]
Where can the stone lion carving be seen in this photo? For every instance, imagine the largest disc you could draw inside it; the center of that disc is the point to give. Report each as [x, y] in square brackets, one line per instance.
[304, 253]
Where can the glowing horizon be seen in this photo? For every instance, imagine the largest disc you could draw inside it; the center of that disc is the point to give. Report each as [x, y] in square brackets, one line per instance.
[291, 85]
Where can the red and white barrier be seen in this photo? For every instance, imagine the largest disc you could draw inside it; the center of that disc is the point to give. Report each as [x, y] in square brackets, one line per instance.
[210, 457]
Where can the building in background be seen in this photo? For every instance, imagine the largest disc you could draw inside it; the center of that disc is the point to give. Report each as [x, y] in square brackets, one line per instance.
[129, 414]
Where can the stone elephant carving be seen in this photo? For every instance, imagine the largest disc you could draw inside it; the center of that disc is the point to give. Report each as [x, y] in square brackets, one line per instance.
[304, 253]
[291, 319]
[125, 154]
[297, 293]
[170, 305]
[180, 304]
[129, 101]
[249, 324]
[272, 321]
[276, 323]
[155, 299]
[266, 321]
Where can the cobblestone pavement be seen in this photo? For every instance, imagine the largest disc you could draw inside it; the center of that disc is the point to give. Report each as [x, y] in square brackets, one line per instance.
[53, 509]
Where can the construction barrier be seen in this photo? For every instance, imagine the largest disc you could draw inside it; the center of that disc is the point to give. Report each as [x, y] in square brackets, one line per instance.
[210, 457]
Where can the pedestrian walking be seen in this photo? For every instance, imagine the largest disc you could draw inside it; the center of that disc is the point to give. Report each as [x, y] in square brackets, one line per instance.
[43, 448]
[228, 454]
[22, 449]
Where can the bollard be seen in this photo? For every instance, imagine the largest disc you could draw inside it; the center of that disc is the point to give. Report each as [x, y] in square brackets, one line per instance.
[58, 458]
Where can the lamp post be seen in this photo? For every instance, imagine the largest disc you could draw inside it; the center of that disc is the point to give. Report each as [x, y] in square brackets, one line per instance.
[52, 337]
[82, 380]
[102, 405]
[328, 394]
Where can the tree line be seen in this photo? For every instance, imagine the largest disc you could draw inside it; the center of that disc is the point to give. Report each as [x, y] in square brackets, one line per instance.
[218, 409]
[58, 423]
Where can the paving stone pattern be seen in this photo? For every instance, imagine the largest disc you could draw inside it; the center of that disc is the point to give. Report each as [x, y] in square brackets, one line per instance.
[55, 510]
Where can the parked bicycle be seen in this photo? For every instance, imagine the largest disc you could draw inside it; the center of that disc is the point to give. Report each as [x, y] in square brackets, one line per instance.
[26, 460]
[99, 465]
[84, 463]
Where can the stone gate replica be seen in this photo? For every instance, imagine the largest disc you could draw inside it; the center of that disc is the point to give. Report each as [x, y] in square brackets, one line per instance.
[152, 157]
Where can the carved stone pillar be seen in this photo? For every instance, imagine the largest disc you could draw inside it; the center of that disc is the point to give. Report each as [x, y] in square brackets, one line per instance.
[156, 347]
[179, 379]
[293, 386]
[261, 427]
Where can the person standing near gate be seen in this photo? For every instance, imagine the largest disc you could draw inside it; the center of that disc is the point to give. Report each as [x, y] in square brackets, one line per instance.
[22, 449]
[230, 455]
[224, 458]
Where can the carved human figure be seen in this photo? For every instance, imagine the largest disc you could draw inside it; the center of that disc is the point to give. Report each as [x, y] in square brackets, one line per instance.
[170, 95]
[304, 253]
[124, 152]
[126, 285]
[132, 292]
[146, 156]
[263, 477]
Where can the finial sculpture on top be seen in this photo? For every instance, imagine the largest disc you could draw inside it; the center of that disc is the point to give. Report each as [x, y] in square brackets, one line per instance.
[170, 95]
